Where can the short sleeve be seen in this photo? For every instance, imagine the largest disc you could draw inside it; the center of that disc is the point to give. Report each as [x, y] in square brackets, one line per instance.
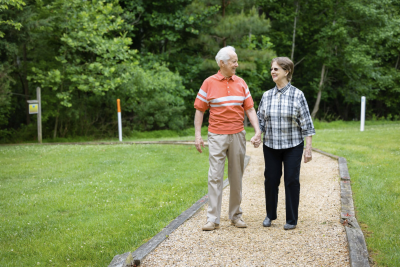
[248, 101]
[201, 103]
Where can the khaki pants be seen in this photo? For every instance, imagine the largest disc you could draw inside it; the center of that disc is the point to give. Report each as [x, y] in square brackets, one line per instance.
[221, 146]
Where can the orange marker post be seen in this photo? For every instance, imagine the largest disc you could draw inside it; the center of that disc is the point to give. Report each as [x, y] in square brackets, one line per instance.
[119, 120]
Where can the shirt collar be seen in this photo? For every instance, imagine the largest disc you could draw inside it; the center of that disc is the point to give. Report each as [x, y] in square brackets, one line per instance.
[221, 77]
[283, 90]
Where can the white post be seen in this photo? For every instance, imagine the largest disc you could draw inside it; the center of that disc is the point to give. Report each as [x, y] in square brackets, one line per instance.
[362, 113]
[119, 120]
[39, 115]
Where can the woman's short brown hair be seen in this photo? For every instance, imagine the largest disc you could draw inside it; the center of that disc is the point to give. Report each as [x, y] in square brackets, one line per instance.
[286, 64]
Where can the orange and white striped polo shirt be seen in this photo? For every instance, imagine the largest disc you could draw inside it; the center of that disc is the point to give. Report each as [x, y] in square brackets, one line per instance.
[227, 100]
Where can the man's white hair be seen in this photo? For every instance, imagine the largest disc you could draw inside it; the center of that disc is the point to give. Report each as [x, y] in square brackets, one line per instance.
[224, 54]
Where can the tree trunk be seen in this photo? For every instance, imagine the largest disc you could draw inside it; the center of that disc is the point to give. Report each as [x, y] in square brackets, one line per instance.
[223, 15]
[25, 84]
[64, 132]
[61, 126]
[294, 30]
[321, 84]
[397, 63]
[339, 108]
[55, 128]
[298, 62]
[346, 112]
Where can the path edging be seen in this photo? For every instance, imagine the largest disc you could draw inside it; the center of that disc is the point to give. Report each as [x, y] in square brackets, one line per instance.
[130, 259]
[355, 238]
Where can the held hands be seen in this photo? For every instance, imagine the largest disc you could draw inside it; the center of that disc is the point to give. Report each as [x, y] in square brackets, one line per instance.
[307, 155]
[256, 140]
[199, 143]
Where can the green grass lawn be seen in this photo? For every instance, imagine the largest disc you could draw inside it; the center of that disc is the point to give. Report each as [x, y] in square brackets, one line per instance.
[373, 159]
[82, 205]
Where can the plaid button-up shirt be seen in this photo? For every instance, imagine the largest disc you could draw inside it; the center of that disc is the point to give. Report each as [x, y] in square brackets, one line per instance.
[284, 117]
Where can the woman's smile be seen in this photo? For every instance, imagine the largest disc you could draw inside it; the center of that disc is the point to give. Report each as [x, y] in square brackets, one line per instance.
[279, 75]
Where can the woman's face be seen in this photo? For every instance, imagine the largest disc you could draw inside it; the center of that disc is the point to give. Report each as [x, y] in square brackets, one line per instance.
[278, 74]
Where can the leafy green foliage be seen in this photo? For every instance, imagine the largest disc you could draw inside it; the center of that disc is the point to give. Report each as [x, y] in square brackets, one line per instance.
[5, 95]
[154, 56]
[90, 60]
[95, 66]
[154, 98]
[4, 5]
[239, 24]
[357, 41]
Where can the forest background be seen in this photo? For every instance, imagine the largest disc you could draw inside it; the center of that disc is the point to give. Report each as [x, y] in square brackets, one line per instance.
[154, 56]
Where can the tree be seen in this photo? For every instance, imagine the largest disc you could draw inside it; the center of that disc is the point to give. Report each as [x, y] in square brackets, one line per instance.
[166, 31]
[94, 63]
[338, 47]
[240, 25]
[4, 5]
[154, 56]
[5, 94]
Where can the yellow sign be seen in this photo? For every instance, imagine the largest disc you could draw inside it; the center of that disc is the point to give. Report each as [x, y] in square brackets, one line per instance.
[33, 108]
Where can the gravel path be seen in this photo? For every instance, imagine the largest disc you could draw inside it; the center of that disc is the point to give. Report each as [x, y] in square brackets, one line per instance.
[318, 240]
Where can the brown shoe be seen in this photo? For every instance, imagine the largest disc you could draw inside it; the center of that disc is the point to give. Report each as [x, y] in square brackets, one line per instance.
[239, 223]
[209, 226]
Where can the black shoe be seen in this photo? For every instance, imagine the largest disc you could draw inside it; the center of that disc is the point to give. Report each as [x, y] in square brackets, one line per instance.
[289, 226]
[267, 222]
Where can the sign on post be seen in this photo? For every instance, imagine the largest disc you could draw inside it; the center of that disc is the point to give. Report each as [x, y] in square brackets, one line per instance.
[36, 108]
[362, 113]
[33, 108]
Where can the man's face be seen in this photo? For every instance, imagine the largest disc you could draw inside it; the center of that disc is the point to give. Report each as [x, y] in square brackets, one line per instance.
[228, 69]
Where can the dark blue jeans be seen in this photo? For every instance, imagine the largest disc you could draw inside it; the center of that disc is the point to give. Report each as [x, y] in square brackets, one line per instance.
[291, 159]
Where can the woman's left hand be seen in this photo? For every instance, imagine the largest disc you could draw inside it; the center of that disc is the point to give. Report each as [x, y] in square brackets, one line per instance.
[307, 155]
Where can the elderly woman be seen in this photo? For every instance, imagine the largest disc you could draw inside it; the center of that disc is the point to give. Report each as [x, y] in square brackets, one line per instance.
[285, 120]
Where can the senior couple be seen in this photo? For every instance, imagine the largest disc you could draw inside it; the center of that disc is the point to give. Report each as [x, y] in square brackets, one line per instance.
[284, 118]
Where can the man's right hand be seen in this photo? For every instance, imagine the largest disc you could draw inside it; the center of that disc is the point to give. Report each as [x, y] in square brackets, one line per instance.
[199, 143]
[198, 120]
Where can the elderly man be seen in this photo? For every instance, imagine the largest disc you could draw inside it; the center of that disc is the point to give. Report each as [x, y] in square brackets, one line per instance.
[228, 97]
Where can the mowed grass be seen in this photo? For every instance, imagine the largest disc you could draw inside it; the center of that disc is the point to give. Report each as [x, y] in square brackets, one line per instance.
[54, 208]
[82, 205]
[373, 159]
